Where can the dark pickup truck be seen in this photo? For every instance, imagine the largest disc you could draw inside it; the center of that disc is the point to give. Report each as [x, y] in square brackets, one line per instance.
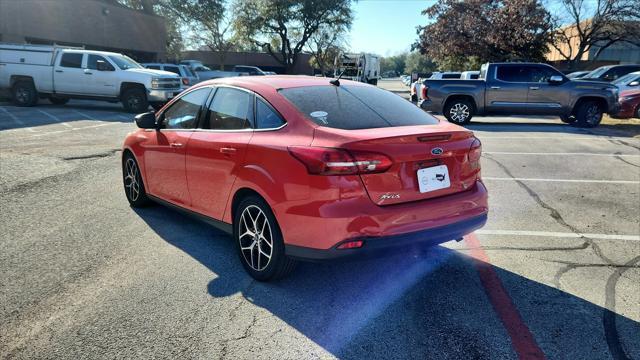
[519, 89]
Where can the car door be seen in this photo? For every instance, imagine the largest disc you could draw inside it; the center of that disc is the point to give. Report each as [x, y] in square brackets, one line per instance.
[100, 80]
[545, 97]
[217, 150]
[507, 94]
[165, 151]
[68, 74]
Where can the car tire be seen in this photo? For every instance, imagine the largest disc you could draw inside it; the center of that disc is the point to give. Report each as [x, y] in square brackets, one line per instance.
[570, 119]
[589, 114]
[135, 101]
[458, 111]
[133, 185]
[637, 112]
[258, 242]
[58, 100]
[24, 93]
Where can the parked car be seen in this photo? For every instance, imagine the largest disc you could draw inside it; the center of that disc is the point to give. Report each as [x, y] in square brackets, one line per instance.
[251, 70]
[520, 89]
[610, 72]
[361, 168]
[362, 67]
[34, 71]
[445, 75]
[470, 75]
[187, 76]
[629, 104]
[205, 73]
[577, 75]
[630, 81]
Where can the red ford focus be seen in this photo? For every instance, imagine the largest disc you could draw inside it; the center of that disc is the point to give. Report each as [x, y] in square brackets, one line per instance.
[295, 167]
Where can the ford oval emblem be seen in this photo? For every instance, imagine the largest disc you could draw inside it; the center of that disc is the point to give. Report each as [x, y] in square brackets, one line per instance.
[437, 151]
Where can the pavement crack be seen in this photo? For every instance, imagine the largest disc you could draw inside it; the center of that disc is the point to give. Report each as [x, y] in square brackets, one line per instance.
[92, 156]
[626, 161]
[582, 246]
[622, 142]
[616, 348]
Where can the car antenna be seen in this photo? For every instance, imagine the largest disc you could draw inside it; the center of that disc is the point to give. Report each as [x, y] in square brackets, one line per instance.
[336, 82]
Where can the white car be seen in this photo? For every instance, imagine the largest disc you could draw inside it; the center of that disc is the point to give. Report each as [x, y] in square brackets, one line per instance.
[630, 81]
[470, 75]
[33, 71]
[187, 76]
[445, 75]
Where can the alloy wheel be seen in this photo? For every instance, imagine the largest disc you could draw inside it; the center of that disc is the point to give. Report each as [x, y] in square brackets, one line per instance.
[22, 95]
[593, 114]
[132, 180]
[256, 238]
[459, 112]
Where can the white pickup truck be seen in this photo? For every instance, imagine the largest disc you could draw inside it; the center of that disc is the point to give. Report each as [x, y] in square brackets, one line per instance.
[30, 72]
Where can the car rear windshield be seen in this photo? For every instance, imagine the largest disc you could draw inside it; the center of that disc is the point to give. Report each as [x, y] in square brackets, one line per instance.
[351, 107]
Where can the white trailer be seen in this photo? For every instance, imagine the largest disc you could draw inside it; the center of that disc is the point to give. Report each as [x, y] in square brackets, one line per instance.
[360, 67]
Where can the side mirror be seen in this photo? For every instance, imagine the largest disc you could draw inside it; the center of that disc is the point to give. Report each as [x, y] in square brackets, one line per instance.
[556, 79]
[146, 120]
[634, 83]
[101, 65]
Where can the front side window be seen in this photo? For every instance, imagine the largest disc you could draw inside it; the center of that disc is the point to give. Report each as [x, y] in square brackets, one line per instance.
[542, 74]
[229, 110]
[266, 117]
[351, 107]
[92, 62]
[154, 67]
[71, 60]
[125, 62]
[183, 114]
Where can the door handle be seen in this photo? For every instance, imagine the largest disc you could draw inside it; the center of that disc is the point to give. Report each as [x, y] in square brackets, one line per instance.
[495, 87]
[534, 87]
[227, 150]
[59, 71]
[87, 72]
[176, 145]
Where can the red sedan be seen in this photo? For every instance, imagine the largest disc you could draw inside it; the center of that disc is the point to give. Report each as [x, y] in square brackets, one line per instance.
[295, 167]
[629, 104]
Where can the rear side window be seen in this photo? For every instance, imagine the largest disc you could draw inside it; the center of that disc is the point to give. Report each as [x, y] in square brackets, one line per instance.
[355, 107]
[266, 117]
[183, 114]
[229, 110]
[71, 60]
[514, 73]
[154, 67]
[451, 76]
[173, 69]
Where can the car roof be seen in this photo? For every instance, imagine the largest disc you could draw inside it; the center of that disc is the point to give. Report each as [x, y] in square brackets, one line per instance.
[278, 81]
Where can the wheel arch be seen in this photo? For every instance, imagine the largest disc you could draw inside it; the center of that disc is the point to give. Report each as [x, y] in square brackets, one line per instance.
[467, 97]
[601, 101]
[131, 85]
[139, 158]
[14, 79]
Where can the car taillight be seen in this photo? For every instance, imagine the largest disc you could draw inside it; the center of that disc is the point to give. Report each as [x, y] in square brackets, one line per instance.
[332, 161]
[413, 88]
[475, 151]
[185, 81]
[423, 92]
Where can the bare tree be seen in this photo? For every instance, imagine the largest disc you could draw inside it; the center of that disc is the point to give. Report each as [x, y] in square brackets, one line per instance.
[327, 43]
[598, 24]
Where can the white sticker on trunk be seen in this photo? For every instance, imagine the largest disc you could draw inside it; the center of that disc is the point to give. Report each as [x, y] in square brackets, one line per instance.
[433, 178]
[320, 115]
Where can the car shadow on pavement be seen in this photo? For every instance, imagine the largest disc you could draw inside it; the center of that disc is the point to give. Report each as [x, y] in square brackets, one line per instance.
[15, 117]
[409, 304]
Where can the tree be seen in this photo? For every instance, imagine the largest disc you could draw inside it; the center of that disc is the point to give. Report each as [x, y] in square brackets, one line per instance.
[491, 30]
[208, 23]
[326, 44]
[283, 27]
[394, 63]
[419, 63]
[599, 25]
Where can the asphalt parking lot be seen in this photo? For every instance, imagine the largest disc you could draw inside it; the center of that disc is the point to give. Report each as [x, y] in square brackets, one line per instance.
[554, 274]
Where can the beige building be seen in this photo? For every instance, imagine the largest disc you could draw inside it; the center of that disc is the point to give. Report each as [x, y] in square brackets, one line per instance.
[618, 53]
[95, 24]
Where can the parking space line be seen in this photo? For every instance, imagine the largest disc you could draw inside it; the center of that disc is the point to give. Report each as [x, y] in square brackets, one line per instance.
[562, 180]
[556, 154]
[16, 119]
[559, 234]
[85, 115]
[523, 341]
[72, 129]
[55, 118]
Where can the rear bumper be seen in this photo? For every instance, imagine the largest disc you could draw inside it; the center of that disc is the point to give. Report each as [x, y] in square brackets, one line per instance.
[428, 105]
[376, 245]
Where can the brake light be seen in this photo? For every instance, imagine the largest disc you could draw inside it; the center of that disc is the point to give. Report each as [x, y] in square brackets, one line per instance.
[185, 81]
[332, 161]
[351, 245]
[413, 89]
[475, 151]
[423, 92]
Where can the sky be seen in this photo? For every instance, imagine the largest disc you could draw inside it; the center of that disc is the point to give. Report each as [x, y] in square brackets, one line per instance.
[386, 27]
